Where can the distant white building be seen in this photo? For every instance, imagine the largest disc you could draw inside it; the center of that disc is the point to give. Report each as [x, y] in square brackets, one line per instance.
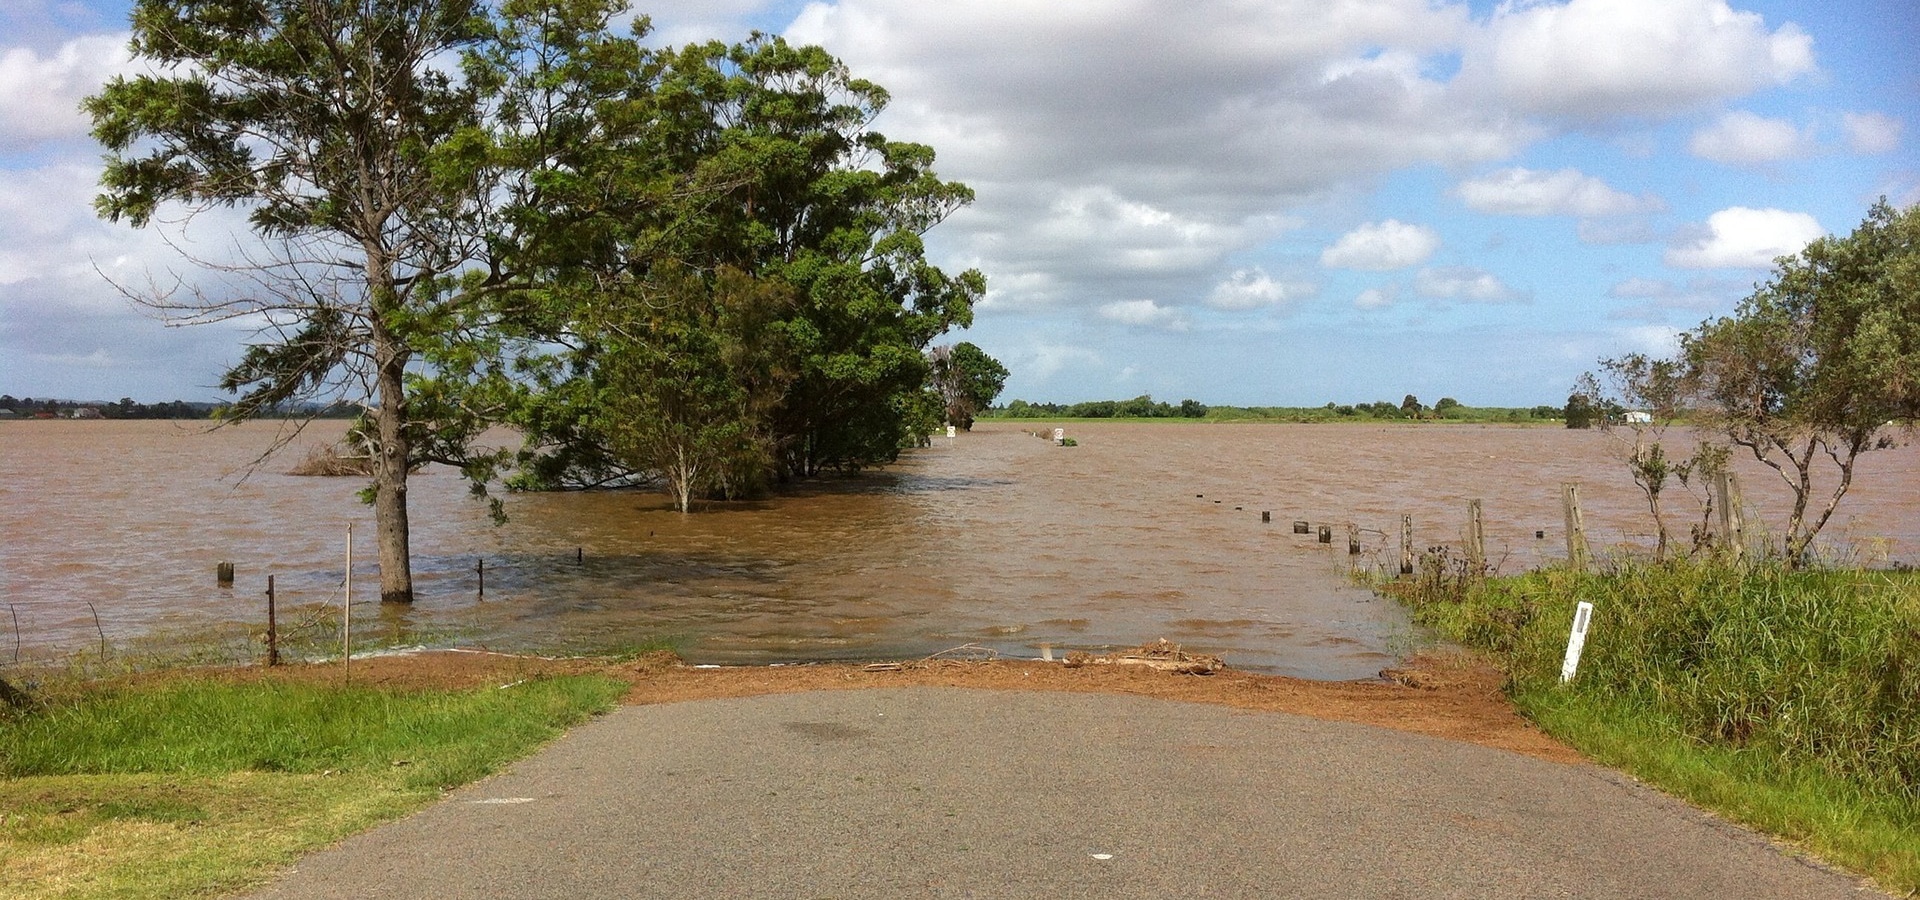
[1637, 417]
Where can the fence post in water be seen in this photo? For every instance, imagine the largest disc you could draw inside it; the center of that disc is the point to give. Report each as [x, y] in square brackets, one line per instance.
[1266, 515]
[1353, 539]
[480, 575]
[1726, 496]
[1302, 526]
[1476, 538]
[1326, 534]
[1406, 545]
[223, 573]
[1576, 527]
[273, 628]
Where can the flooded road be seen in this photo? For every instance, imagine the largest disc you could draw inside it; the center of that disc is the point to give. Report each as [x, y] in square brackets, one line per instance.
[998, 538]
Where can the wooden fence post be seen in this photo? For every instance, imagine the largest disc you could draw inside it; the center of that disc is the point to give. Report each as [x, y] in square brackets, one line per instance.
[1406, 545]
[273, 628]
[1476, 538]
[1726, 495]
[1576, 527]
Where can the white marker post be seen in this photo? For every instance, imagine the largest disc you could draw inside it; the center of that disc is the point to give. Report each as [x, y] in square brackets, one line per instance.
[950, 432]
[1577, 641]
[1059, 435]
[346, 609]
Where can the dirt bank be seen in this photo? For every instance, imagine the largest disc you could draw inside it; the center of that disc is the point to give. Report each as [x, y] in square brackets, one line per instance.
[1447, 697]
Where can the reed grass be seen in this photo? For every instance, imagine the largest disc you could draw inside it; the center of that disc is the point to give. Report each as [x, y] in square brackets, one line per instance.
[1789, 700]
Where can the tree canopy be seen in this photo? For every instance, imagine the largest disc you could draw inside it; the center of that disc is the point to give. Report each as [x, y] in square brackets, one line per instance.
[754, 159]
[967, 380]
[1819, 363]
[333, 126]
[699, 264]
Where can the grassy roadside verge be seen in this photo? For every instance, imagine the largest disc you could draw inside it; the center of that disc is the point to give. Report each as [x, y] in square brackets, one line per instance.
[1788, 701]
[195, 787]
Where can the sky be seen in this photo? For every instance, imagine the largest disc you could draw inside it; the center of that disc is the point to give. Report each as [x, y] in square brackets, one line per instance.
[1245, 202]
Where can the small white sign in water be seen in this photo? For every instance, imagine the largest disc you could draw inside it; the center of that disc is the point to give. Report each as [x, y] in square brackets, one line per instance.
[1059, 434]
[1577, 641]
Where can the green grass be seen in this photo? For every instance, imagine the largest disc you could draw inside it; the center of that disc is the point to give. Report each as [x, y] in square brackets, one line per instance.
[199, 787]
[1788, 700]
[1855, 825]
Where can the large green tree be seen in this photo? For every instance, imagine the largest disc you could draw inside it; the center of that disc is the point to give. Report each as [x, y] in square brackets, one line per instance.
[1814, 367]
[333, 125]
[967, 380]
[755, 158]
[691, 369]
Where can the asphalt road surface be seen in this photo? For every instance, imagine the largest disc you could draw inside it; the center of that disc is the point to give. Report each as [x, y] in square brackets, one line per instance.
[947, 792]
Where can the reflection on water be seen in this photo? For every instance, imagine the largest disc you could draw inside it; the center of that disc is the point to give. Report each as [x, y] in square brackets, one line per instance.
[998, 538]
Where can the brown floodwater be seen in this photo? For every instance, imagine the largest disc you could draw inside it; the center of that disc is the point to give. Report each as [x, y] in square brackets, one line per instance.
[998, 538]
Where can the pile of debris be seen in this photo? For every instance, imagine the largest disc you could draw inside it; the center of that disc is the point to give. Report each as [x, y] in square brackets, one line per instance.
[328, 461]
[1161, 654]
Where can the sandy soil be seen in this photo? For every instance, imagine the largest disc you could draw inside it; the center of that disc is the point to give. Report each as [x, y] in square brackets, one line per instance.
[1456, 698]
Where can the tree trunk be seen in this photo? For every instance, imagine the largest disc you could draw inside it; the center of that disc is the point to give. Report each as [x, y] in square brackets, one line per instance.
[390, 470]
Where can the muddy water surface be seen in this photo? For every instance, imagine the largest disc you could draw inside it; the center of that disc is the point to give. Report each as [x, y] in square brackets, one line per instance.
[998, 538]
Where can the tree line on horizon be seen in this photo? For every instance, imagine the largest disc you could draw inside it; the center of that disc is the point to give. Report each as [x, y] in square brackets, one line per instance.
[1145, 407]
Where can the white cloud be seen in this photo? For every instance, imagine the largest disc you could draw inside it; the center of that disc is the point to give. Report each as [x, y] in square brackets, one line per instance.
[40, 94]
[1253, 288]
[1465, 284]
[1042, 361]
[1653, 340]
[1871, 133]
[1145, 314]
[1377, 298]
[1113, 143]
[1381, 246]
[1658, 300]
[1567, 192]
[1742, 238]
[1743, 139]
[1591, 60]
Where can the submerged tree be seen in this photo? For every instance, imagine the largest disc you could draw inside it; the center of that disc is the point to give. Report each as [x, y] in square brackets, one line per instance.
[1649, 393]
[332, 124]
[967, 380]
[755, 158]
[1820, 363]
[692, 367]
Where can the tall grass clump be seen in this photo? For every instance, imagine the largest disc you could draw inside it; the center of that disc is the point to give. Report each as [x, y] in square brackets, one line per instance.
[1789, 699]
[1819, 666]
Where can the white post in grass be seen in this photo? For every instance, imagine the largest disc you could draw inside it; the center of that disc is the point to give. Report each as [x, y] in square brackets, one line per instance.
[1582, 616]
[346, 608]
